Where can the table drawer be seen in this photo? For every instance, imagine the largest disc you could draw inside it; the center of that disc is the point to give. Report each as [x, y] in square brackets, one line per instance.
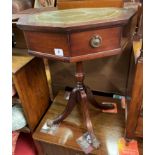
[93, 41]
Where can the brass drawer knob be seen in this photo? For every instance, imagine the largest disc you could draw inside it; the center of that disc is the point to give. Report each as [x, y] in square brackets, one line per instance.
[96, 41]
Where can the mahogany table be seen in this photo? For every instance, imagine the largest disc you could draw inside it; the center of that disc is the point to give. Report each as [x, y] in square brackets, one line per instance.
[76, 35]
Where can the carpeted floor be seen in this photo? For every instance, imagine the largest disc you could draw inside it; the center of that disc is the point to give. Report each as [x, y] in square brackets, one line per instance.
[25, 145]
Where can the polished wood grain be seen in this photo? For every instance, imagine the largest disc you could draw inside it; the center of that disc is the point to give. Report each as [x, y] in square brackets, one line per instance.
[134, 125]
[18, 34]
[56, 149]
[96, 55]
[68, 109]
[108, 129]
[111, 40]
[70, 44]
[18, 62]
[69, 4]
[77, 58]
[71, 28]
[31, 84]
[139, 128]
[81, 94]
[49, 77]
[48, 30]
[111, 73]
[47, 42]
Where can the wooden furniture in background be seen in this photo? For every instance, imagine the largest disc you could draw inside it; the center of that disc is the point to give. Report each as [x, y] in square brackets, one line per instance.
[107, 127]
[69, 4]
[31, 84]
[134, 111]
[134, 124]
[33, 109]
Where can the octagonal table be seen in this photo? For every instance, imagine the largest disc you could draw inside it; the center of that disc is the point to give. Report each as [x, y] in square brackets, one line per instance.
[76, 35]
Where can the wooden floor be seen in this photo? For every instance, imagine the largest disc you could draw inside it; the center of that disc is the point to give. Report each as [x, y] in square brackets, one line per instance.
[108, 127]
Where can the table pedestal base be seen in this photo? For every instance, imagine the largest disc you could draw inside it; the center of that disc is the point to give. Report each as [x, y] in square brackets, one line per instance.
[81, 94]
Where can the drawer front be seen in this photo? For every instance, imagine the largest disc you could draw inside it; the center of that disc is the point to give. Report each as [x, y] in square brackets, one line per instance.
[47, 42]
[89, 42]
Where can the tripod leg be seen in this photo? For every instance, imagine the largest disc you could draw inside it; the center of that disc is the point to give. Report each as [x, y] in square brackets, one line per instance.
[84, 107]
[95, 103]
[70, 105]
